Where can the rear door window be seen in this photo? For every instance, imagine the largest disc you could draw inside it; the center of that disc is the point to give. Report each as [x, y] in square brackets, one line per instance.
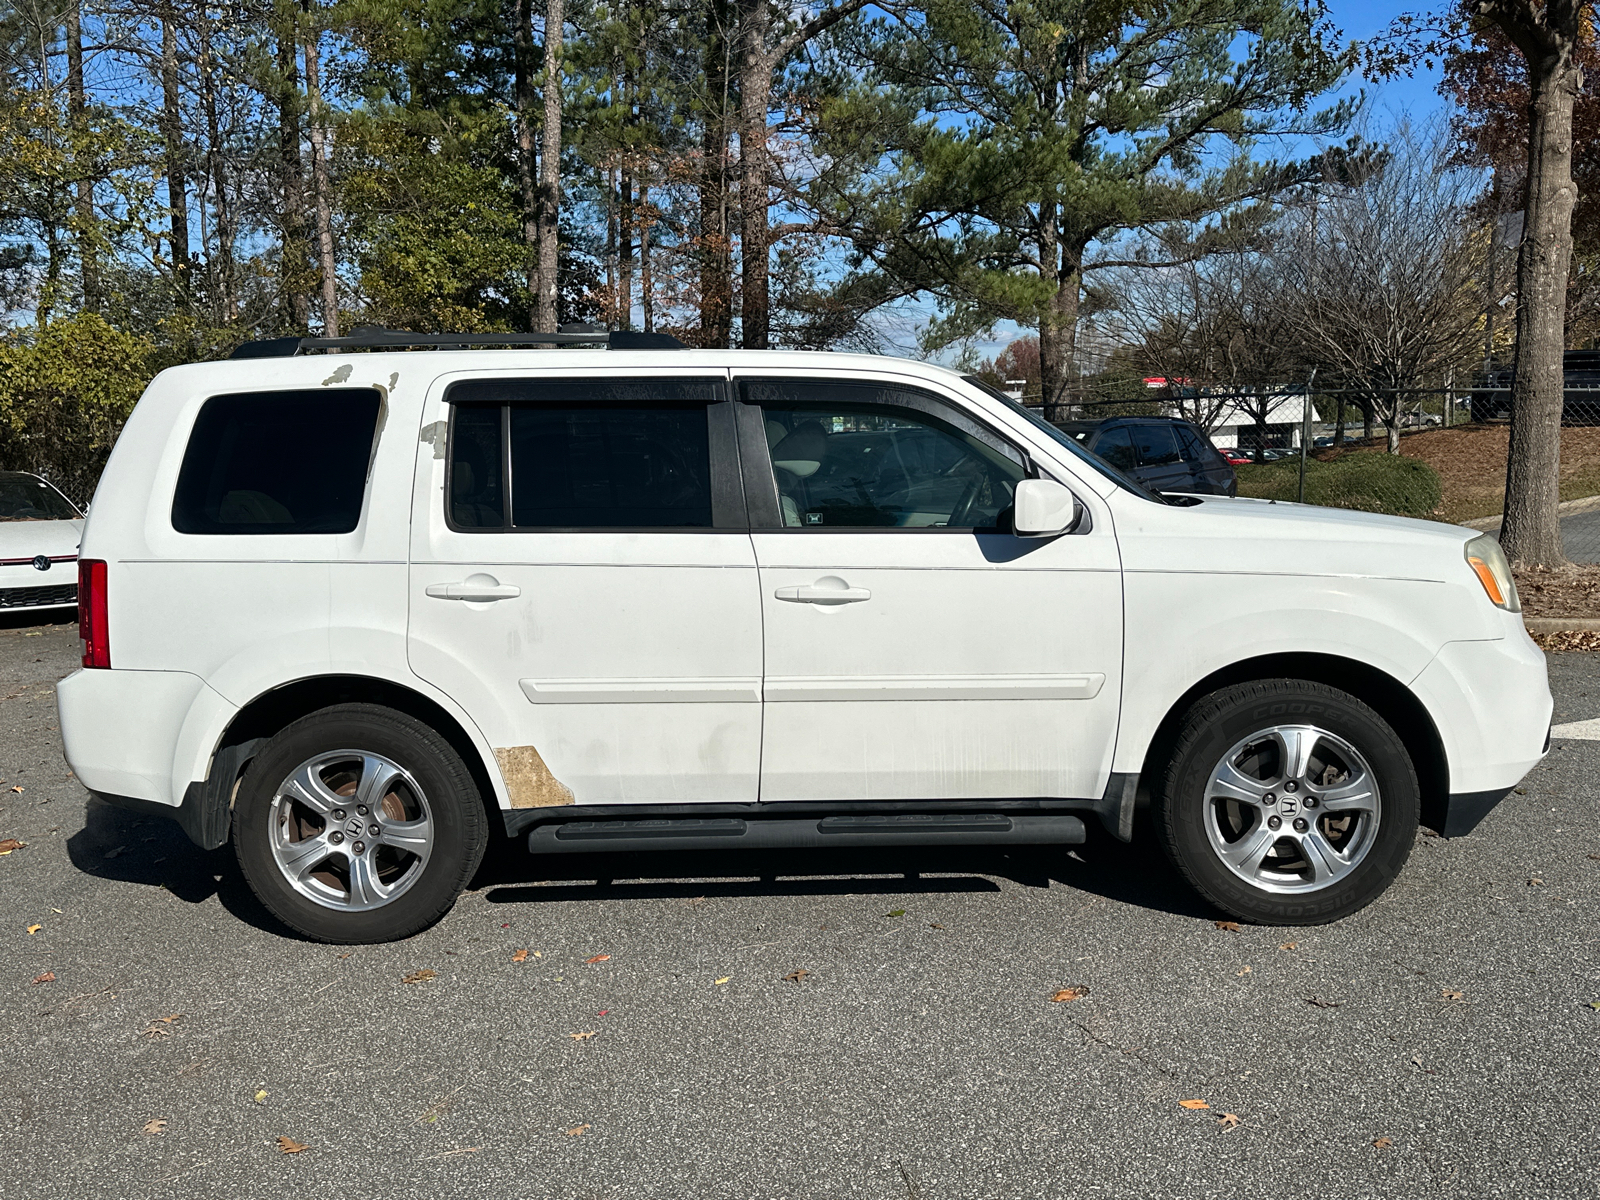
[1116, 447]
[1193, 449]
[1155, 445]
[573, 455]
[288, 462]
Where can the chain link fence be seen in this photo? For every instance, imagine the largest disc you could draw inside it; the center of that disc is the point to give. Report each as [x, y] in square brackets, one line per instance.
[1332, 447]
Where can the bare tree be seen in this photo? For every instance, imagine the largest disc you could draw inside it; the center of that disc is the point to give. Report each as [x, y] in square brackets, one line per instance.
[1382, 273]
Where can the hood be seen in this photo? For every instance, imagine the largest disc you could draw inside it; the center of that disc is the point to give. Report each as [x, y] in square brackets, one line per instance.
[1264, 537]
[1340, 522]
[53, 539]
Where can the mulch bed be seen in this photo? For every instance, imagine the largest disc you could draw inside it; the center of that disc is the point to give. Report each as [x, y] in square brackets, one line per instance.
[1567, 592]
[1568, 641]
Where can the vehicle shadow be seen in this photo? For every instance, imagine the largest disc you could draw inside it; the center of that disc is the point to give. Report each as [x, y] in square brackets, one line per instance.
[123, 846]
[24, 619]
[1136, 874]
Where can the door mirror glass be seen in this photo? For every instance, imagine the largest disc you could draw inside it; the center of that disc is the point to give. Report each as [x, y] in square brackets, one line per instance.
[1044, 508]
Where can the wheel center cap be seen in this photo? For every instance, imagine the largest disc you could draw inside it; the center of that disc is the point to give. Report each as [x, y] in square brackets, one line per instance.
[1288, 806]
[353, 828]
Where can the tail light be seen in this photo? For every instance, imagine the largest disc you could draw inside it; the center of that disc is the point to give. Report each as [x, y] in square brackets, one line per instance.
[92, 626]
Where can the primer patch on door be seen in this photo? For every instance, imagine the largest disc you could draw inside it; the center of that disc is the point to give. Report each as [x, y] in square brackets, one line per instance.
[528, 781]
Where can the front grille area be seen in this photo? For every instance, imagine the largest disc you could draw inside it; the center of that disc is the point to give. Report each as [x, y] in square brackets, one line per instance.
[36, 597]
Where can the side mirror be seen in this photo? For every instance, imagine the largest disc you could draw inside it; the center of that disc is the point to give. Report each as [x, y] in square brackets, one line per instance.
[1043, 508]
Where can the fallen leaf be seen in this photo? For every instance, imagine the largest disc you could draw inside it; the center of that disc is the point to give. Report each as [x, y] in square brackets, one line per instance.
[1227, 926]
[720, 982]
[1323, 1003]
[1068, 994]
[1535, 883]
[17, 788]
[796, 976]
[10, 844]
[579, 1037]
[47, 977]
[1383, 1143]
[1290, 946]
[113, 852]
[1193, 1104]
[156, 1126]
[261, 1097]
[602, 1012]
[421, 976]
[1242, 971]
[579, 1130]
[934, 925]
[1229, 1120]
[520, 956]
[1448, 996]
[1594, 1004]
[598, 958]
[33, 929]
[289, 1146]
[169, 1020]
[1596, 857]
[898, 912]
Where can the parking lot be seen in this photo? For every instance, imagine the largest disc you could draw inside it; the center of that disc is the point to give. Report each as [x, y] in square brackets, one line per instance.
[794, 1025]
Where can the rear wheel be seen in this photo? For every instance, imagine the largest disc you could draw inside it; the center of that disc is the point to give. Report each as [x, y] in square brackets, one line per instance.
[1288, 802]
[358, 824]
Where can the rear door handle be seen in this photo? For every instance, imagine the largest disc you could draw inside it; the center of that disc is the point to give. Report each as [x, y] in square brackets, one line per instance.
[831, 590]
[476, 588]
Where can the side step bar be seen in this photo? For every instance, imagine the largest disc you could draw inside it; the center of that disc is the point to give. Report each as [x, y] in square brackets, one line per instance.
[792, 833]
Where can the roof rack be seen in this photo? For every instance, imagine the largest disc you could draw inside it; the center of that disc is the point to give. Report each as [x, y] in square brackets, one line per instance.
[376, 337]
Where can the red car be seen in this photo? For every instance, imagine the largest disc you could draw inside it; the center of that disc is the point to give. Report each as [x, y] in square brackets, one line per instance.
[1235, 458]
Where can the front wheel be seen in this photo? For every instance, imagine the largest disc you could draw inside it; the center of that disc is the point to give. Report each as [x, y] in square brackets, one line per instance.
[1287, 802]
[358, 824]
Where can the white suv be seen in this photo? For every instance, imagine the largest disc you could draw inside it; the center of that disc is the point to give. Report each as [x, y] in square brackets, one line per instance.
[354, 609]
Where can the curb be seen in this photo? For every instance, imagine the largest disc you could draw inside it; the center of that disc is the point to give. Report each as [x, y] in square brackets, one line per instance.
[1562, 624]
[1567, 508]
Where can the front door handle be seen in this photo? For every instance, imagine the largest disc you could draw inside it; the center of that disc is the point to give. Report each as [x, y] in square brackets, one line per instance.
[828, 590]
[475, 588]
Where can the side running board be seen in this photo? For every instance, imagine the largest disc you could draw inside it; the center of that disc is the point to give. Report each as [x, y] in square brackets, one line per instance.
[787, 833]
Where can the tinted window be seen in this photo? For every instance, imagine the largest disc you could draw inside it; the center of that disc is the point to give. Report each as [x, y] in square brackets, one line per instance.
[1116, 447]
[841, 463]
[29, 498]
[622, 454]
[1155, 444]
[476, 463]
[1194, 449]
[277, 462]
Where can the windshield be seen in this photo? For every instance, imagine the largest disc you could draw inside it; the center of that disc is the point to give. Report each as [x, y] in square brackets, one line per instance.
[1066, 440]
[29, 498]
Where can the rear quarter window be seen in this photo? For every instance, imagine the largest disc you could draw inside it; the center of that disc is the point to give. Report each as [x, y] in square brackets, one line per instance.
[287, 462]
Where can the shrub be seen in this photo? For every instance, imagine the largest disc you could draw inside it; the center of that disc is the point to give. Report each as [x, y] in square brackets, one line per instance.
[65, 391]
[1367, 480]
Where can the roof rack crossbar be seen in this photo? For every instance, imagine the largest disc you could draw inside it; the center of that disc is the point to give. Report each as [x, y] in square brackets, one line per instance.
[375, 337]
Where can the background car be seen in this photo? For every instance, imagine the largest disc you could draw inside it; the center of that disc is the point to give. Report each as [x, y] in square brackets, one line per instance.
[39, 533]
[1163, 453]
[1235, 457]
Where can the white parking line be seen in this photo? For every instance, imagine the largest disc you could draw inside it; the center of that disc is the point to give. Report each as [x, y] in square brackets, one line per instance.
[1588, 731]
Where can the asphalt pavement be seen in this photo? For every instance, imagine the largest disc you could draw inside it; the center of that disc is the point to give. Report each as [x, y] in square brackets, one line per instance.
[1444, 1042]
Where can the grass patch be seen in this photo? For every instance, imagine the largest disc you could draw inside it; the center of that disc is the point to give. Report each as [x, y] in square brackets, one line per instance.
[1370, 482]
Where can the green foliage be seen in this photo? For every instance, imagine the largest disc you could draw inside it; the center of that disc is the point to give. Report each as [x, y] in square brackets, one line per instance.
[1032, 131]
[1367, 480]
[64, 395]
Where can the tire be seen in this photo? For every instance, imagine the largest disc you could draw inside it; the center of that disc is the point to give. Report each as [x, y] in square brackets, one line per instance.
[307, 807]
[1347, 812]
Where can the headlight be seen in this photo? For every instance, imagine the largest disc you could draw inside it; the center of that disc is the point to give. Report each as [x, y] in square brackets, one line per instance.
[1488, 562]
